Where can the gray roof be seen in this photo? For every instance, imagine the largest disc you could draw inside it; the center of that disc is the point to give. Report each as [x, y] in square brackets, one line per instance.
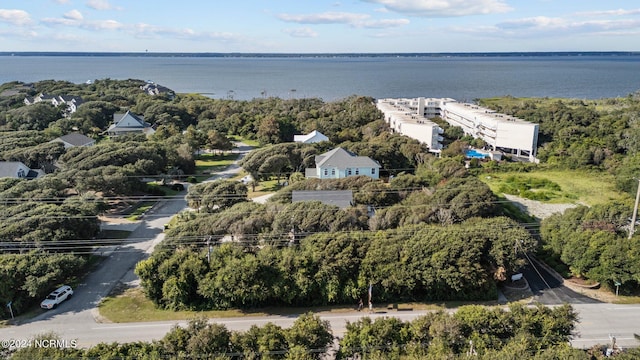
[339, 198]
[76, 139]
[11, 168]
[128, 122]
[119, 118]
[341, 158]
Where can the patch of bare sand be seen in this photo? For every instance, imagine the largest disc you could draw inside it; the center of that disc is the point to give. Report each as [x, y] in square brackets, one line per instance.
[538, 209]
[115, 220]
[598, 294]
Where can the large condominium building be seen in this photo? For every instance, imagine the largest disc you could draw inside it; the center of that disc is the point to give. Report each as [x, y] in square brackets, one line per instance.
[500, 132]
[406, 117]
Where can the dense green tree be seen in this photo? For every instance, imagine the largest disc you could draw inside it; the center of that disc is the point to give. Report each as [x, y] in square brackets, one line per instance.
[217, 141]
[267, 342]
[33, 117]
[216, 195]
[590, 241]
[310, 333]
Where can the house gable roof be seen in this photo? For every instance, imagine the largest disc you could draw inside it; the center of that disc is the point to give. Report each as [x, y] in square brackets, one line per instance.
[75, 139]
[339, 198]
[341, 158]
[309, 136]
[129, 122]
[16, 169]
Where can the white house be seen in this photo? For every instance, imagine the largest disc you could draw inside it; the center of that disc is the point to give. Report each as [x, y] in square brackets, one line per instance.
[71, 102]
[312, 137]
[129, 123]
[154, 89]
[16, 169]
[340, 163]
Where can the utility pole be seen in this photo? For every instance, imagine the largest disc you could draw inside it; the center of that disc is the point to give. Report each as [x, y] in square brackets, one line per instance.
[10, 309]
[635, 212]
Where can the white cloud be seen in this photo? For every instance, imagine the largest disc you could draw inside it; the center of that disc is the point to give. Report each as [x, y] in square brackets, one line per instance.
[559, 25]
[617, 12]
[141, 30]
[100, 4]
[541, 27]
[351, 19]
[73, 15]
[18, 33]
[148, 31]
[539, 22]
[324, 18]
[444, 8]
[304, 32]
[103, 25]
[382, 24]
[15, 17]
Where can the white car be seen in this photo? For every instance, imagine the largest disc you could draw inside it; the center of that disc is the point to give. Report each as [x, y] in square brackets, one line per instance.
[59, 295]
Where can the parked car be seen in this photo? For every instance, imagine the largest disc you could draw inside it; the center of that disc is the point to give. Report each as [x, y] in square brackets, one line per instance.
[56, 297]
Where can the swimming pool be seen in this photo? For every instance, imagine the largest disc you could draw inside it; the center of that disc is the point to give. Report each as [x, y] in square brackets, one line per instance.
[471, 153]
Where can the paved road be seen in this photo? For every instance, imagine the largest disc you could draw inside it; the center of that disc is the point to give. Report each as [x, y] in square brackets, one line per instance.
[81, 309]
[548, 288]
[598, 321]
[77, 316]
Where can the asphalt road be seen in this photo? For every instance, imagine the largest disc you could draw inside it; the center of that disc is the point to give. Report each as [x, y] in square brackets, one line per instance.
[77, 317]
[548, 289]
[80, 312]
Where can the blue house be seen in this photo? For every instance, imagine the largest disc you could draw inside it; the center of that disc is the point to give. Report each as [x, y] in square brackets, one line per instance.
[340, 163]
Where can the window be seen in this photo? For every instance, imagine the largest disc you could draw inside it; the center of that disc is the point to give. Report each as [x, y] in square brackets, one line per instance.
[333, 171]
[326, 172]
[357, 171]
[373, 171]
[348, 171]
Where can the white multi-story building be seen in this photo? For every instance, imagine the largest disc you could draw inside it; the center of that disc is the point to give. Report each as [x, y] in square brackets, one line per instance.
[500, 132]
[405, 117]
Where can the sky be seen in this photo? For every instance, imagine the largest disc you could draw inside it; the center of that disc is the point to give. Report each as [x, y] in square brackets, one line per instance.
[319, 26]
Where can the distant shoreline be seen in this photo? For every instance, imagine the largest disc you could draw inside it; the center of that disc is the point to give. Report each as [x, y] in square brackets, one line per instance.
[323, 55]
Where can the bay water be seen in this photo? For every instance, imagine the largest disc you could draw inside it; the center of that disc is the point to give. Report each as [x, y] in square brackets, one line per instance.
[331, 77]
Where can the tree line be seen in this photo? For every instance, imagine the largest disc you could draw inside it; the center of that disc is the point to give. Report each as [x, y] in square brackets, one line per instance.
[413, 263]
[592, 242]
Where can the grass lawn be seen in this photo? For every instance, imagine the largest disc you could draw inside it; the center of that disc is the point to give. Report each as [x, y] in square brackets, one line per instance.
[253, 143]
[133, 306]
[215, 162]
[139, 210]
[209, 164]
[264, 188]
[576, 187]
